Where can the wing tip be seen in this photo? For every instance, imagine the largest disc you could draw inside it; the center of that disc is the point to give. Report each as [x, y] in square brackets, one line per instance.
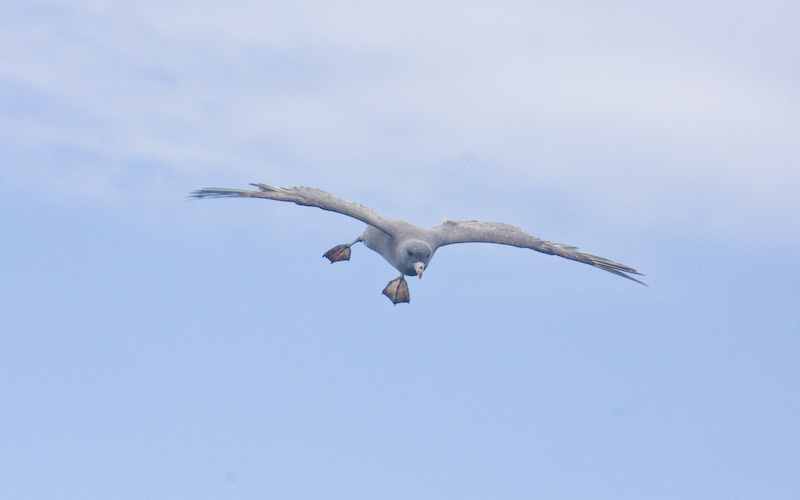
[623, 271]
[217, 193]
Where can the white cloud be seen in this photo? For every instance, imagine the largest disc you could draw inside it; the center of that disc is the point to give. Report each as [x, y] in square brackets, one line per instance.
[623, 108]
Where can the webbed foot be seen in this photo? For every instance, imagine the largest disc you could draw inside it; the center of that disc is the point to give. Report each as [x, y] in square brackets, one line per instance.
[397, 290]
[341, 252]
[337, 253]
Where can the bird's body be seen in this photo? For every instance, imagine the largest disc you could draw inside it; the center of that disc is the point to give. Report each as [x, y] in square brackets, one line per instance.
[407, 247]
[409, 240]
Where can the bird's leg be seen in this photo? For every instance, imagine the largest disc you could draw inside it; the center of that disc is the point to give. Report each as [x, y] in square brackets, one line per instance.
[341, 252]
[397, 290]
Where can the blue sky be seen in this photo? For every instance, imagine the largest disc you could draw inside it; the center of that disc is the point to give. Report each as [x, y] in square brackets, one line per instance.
[154, 347]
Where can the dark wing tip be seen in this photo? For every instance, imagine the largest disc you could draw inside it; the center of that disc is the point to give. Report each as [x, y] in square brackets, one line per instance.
[618, 269]
[624, 275]
[217, 193]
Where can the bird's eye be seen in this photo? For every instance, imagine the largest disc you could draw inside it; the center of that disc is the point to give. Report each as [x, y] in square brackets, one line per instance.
[408, 252]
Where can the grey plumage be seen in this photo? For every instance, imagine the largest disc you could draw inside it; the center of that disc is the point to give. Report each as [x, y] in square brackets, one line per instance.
[407, 247]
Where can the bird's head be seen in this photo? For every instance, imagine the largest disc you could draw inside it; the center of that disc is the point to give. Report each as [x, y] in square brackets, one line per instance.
[416, 255]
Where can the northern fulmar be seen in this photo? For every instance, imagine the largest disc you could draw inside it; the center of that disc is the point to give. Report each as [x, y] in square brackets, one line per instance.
[407, 247]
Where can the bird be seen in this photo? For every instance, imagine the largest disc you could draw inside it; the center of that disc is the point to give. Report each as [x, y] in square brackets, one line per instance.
[406, 246]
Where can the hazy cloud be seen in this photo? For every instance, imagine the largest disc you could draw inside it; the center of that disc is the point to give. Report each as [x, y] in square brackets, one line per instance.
[679, 115]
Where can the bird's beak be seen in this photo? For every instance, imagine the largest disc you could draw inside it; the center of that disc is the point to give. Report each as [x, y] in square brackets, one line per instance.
[419, 267]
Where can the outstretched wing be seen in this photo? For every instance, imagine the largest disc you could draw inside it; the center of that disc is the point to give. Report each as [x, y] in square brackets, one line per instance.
[310, 197]
[505, 234]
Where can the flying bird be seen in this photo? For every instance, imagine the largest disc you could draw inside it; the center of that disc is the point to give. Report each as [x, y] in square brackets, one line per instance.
[407, 247]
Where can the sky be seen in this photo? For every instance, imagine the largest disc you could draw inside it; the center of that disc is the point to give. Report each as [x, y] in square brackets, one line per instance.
[158, 347]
